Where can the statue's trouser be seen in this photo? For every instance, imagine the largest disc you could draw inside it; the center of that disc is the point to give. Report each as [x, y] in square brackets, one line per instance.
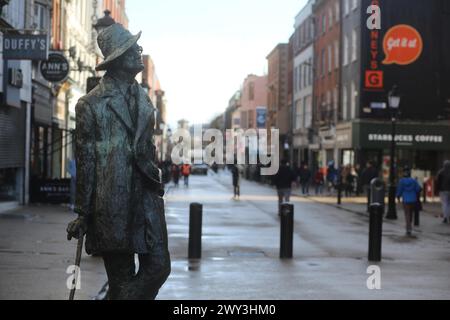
[124, 284]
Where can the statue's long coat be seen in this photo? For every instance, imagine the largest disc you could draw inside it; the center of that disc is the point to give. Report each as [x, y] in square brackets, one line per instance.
[117, 180]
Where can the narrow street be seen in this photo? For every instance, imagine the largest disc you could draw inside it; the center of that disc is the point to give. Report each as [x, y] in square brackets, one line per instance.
[240, 251]
[241, 248]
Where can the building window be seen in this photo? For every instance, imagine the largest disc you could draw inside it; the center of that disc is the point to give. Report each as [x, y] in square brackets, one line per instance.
[337, 9]
[330, 58]
[353, 101]
[251, 91]
[322, 63]
[330, 18]
[335, 100]
[346, 7]
[336, 54]
[295, 79]
[310, 73]
[298, 115]
[324, 23]
[354, 45]
[354, 4]
[328, 107]
[40, 17]
[344, 103]
[251, 119]
[346, 49]
[304, 75]
[308, 111]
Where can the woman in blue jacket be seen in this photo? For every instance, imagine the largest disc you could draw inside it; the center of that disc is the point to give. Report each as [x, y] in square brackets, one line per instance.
[407, 189]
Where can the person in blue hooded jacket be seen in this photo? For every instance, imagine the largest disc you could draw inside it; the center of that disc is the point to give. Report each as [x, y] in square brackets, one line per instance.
[407, 189]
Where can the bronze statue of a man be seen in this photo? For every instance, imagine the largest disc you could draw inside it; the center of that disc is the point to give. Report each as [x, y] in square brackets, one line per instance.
[119, 190]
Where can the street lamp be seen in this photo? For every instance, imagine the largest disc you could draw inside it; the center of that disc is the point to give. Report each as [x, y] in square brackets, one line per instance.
[104, 22]
[394, 104]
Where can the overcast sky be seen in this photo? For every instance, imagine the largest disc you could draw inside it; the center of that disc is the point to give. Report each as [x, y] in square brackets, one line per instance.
[203, 49]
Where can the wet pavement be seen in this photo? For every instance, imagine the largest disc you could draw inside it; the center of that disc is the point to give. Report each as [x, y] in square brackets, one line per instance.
[240, 251]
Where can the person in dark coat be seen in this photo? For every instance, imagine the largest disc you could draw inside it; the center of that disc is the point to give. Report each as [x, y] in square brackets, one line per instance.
[236, 178]
[305, 179]
[283, 181]
[176, 174]
[367, 175]
[443, 189]
[119, 190]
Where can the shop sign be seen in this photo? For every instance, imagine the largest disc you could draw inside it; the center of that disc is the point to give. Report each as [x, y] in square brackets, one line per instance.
[25, 47]
[402, 45]
[415, 136]
[261, 117]
[56, 68]
[374, 77]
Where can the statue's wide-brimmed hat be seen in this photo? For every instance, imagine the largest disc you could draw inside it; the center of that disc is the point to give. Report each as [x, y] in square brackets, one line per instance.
[114, 41]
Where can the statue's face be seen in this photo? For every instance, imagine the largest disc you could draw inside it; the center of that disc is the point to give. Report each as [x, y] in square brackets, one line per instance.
[131, 61]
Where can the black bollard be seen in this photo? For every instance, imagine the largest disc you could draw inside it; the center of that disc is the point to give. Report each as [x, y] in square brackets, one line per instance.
[286, 231]
[416, 216]
[339, 193]
[375, 231]
[424, 193]
[195, 231]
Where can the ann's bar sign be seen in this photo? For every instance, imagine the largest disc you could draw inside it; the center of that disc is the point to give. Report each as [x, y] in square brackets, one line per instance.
[25, 47]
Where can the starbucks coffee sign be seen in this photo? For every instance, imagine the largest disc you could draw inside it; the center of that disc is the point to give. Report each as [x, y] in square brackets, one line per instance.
[409, 135]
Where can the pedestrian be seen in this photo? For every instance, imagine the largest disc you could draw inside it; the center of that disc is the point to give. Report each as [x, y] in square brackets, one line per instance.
[186, 171]
[176, 175]
[332, 176]
[443, 188]
[319, 181]
[305, 179]
[236, 187]
[349, 181]
[407, 190]
[283, 181]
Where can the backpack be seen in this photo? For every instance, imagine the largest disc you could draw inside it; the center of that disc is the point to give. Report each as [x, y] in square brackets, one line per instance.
[185, 170]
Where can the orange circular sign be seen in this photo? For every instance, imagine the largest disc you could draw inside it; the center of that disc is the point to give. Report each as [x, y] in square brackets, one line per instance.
[402, 45]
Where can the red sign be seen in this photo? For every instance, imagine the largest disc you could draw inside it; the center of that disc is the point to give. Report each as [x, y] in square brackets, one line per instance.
[374, 80]
[402, 45]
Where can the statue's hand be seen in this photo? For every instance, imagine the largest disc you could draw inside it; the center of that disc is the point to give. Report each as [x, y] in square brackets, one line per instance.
[76, 227]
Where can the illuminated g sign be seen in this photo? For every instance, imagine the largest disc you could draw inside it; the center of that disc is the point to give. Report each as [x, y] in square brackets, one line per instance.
[374, 79]
[402, 45]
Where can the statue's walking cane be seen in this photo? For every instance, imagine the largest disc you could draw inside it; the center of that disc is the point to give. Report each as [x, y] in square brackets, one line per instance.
[77, 264]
